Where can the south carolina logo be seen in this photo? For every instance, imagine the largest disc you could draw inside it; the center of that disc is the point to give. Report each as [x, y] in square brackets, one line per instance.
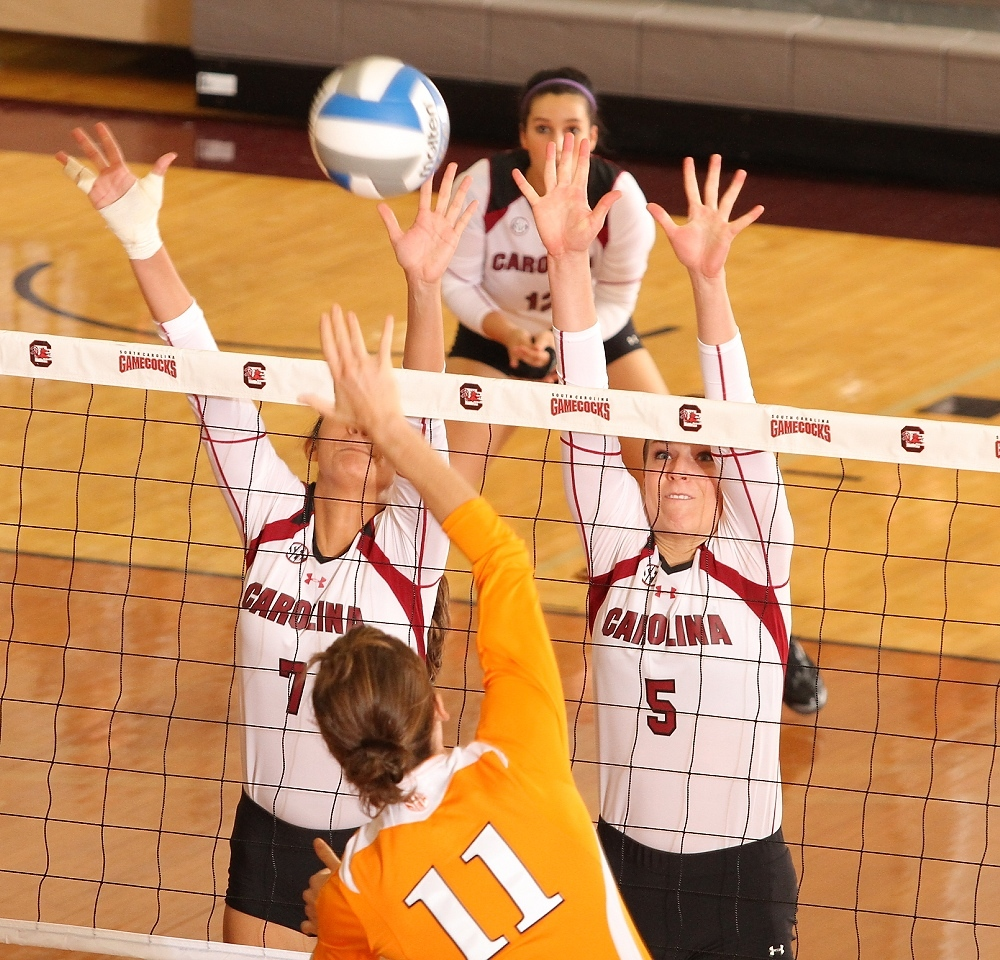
[912, 439]
[689, 417]
[40, 353]
[470, 396]
[255, 375]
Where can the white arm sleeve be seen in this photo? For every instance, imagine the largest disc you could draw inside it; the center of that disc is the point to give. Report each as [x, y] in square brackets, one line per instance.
[756, 521]
[618, 277]
[603, 497]
[462, 285]
[253, 479]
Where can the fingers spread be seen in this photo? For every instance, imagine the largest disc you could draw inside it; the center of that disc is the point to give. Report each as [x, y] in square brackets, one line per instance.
[391, 223]
[160, 167]
[444, 191]
[733, 191]
[712, 180]
[662, 218]
[691, 190]
[90, 149]
[526, 188]
[109, 144]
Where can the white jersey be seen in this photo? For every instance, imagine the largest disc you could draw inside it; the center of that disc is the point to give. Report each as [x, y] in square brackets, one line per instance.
[296, 603]
[501, 264]
[689, 662]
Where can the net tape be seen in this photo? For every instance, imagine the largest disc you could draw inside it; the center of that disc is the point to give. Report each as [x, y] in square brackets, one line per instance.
[779, 429]
[60, 936]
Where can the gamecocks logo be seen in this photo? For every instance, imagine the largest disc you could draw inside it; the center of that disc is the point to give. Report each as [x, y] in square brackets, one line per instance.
[689, 417]
[912, 439]
[40, 353]
[255, 375]
[470, 395]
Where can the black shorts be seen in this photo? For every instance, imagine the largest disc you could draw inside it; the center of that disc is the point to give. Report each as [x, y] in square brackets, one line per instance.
[270, 863]
[473, 346]
[725, 904]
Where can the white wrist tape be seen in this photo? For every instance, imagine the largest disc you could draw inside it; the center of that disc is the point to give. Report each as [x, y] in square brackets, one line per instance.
[79, 174]
[133, 217]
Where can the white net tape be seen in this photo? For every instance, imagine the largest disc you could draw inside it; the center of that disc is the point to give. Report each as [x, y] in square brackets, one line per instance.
[516, 403]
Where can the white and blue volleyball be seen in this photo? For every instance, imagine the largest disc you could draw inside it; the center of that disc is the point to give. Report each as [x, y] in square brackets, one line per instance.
[378, 127]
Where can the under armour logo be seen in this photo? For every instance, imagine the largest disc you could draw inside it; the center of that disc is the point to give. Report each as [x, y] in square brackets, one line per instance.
[777, 951]
[673, 596]
[319, 581]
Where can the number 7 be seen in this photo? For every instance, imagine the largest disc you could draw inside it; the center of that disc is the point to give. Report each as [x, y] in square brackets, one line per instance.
[296, 669]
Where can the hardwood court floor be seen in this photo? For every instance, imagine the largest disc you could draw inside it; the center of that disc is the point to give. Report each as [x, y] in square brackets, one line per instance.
[890, 791]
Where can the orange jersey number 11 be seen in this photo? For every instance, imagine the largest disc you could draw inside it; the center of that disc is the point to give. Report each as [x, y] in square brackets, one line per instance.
[510, 873]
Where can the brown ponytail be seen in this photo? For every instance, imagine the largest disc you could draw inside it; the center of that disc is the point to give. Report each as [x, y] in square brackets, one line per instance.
[374, 705]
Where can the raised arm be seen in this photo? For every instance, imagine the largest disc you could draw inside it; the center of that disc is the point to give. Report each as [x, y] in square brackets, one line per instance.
[568, 227]
[424, 251]
[131, 208]
[523, 713]
[702, 246]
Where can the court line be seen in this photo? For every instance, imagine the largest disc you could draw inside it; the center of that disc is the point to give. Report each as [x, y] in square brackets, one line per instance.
[23, 288]
[945, 388]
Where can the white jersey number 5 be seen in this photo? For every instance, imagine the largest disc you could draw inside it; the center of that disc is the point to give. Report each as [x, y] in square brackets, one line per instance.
[510, 873]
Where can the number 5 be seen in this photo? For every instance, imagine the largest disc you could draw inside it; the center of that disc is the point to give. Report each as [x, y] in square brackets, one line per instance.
[664, 721]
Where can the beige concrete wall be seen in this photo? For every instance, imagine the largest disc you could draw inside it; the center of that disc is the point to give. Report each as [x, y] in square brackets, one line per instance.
[805, 63]
[165, 22]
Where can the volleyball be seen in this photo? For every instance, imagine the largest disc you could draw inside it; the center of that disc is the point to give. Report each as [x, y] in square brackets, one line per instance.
[378, 127]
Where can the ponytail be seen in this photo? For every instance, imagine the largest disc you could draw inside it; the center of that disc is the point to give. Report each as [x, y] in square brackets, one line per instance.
[374, 706]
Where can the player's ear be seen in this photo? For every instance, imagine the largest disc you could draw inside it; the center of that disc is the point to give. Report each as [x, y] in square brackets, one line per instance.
[593, 136]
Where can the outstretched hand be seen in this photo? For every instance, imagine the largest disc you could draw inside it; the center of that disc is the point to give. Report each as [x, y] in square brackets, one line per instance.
[425, 250]
[563, 216]
[365, 392]
[702, 244]
[113, 178]
[310, 926]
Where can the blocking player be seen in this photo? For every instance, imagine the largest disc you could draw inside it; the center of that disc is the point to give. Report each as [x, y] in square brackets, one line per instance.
[356, 545]
[486, 850]
[689, 610]
[498, 287]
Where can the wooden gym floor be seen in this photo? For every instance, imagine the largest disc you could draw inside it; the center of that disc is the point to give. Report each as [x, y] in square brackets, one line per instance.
[864, 297]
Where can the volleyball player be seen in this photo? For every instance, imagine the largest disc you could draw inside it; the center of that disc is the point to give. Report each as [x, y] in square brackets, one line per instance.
[498, 287]
[689, 610]
[486, 850]
[497, 284]
[356, 545]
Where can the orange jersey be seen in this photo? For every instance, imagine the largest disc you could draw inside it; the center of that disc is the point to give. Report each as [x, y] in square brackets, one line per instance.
[495, 855]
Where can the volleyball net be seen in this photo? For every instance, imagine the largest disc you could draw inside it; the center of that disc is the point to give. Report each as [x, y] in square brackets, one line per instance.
[120, 734]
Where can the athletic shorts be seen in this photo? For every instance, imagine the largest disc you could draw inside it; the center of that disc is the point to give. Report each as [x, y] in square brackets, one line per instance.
[270, 863]
[725, 904]
[473, 346]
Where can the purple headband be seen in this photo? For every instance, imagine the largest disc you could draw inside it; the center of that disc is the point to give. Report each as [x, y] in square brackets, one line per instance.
[561, 81]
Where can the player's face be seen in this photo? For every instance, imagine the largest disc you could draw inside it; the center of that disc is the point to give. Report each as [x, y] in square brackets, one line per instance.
[345, 455]
[550, 117]
[681, 488]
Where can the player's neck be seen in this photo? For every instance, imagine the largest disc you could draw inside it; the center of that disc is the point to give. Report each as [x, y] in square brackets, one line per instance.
[339, 517]
[677, 549]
